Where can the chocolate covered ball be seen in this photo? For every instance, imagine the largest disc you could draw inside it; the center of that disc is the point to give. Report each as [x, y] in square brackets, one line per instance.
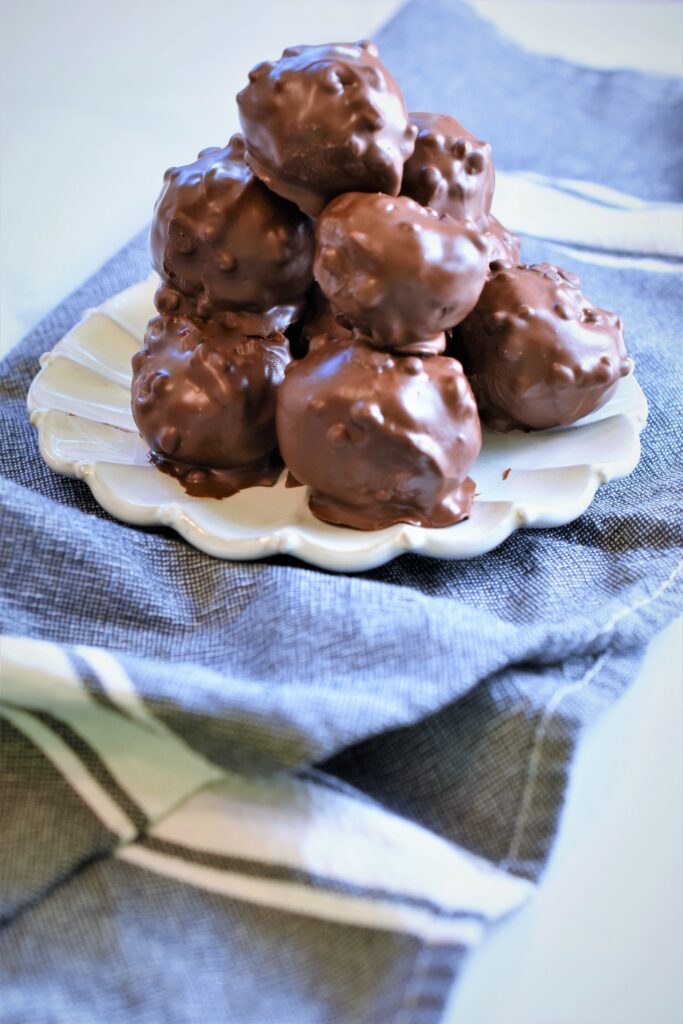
[228, 248]
[398, 271]
[500, 243]
[323, 120]
[203, 398]
[450, 170]
[379, 438]
[536, 351]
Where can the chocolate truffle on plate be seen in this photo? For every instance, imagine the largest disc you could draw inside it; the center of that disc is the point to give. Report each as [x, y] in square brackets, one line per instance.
[536, 351]
[379, 438]
[450, 170]
[203, 398]
[398, 271]
[227, 247]
[323, 120]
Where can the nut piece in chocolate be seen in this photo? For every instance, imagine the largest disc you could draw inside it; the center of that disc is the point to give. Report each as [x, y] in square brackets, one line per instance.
[536, 351]
[379, 438]
[203, 398]
[398, 271]
[450, 170]
[323, 120]
[225, 244]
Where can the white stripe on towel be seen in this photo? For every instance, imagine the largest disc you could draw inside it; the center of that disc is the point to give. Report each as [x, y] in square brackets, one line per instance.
[301, 899]
[316, 830]
[72, 769]
[154, 767]
[326, 841]
[538, 207]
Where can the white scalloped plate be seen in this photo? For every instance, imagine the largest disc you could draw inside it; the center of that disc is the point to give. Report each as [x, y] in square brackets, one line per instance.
[80, 403]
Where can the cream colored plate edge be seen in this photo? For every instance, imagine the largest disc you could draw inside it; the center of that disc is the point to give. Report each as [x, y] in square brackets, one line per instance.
[79, 401]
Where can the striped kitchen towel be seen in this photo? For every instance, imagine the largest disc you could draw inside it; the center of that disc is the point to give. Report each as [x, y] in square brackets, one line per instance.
[261, 793]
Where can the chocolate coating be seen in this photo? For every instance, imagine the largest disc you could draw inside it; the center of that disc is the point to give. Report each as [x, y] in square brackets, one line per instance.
[224, 245]
[501, 243]
[321, 319]
[536, 351]
[323, 120]
[398, 271]
[450, 170]
[379, 438]
[203, 399]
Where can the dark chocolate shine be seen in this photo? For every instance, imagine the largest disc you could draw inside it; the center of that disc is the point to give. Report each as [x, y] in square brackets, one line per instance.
[536, 351]
[203, 398]
[398, 271]
[323, 120]
[379, 438]
[226, 247]
[450, 169]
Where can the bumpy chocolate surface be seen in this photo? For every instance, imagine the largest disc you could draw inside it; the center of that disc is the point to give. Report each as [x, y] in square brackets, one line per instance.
[536, 351]
[323, 120]
[228, 248]
[398, 271]
[379, 438]
[501, 243]
[450, 170]
[203, 399]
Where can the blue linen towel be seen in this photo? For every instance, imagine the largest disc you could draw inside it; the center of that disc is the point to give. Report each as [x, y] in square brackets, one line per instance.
[265, 793]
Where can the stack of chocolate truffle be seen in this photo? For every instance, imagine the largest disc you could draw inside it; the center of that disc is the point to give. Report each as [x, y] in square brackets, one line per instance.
[406, 308]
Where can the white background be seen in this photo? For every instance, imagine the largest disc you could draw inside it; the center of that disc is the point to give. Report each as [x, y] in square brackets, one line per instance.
[97, 100]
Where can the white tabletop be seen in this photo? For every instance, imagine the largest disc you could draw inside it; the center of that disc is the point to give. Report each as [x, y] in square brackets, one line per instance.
[101, 100]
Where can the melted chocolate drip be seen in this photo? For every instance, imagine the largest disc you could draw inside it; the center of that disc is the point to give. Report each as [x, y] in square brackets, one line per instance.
[209, 482]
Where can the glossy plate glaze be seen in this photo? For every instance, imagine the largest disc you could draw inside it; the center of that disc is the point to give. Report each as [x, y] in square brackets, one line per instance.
[80, 404]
